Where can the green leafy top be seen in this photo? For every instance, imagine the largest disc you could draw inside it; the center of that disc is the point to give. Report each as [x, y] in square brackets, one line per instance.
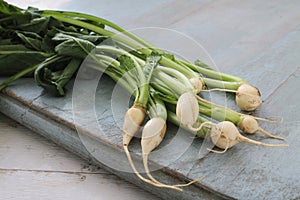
[6, 8]
[126, 63]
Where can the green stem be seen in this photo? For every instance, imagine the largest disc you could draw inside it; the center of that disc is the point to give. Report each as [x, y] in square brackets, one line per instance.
[170, 82]
[110, 61]
[60, 15]
[69, 72]
[120, 52]
[26, 52]
[160, 86]
[156, 107]
[102, 21]
[174, 73]
[18, 75]
[172, 117]
[27, 70]
[98, 30]
[115, 73]
[203, 65]
[147, 51]
[112, 68]
[212, 73]
[142, 98]
[221, 84]
[219, 113]
[184, 70]
[129, 87]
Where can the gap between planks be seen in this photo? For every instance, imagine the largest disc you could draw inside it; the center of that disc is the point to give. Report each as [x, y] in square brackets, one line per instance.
[51, 171]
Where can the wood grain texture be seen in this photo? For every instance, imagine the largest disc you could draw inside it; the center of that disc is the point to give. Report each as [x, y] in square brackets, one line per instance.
[32, 167]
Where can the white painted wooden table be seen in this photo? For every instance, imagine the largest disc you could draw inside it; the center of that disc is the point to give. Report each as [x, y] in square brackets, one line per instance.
[31, 167]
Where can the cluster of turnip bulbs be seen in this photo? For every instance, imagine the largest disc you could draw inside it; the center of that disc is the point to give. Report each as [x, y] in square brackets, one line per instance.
[164, 87]
[167, 88]
[172, 93]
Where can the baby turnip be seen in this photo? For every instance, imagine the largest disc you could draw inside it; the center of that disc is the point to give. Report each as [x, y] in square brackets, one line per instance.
[247, 97]
[185, 91]
[152, 135]
[134, 118]
[249, 125]
[187, 110]
[197, 83]
[225, 135]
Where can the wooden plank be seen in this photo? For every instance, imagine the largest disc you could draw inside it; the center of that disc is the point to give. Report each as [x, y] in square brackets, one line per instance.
[31, 167]
[17, 184]
[18, 145]
[234, 32]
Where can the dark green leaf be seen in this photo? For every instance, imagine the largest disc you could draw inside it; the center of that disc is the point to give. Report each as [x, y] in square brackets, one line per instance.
[43, 73]
[13, 48]
[60, 37]
[170, 56]
[66, 75]
[7, 33]
[15, 62]
[47, 44]
[8, 8]
[126, 63]
[53, 80]
[5, 41]
[36, 25]
[31, 40]
[75, 47]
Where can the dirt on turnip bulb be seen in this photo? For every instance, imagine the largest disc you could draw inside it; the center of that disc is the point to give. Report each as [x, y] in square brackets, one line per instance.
[248, 97]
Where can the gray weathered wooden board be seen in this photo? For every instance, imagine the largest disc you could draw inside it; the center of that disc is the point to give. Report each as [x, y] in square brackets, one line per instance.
[32, 167]
[258, 40]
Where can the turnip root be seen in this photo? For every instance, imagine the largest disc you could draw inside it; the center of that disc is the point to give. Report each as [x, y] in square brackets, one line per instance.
[185, 91]
[187, 110]
[141, 177]
[152, 135]
[225, 135]
[247, 97]
[134, 118]
[249, 125]
[197, 84]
